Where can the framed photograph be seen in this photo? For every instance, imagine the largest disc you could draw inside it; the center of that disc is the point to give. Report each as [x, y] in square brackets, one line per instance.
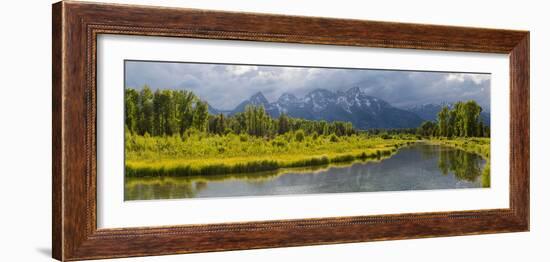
[182, 130]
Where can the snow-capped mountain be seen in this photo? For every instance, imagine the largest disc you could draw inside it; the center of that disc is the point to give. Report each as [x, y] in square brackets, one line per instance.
[353, 105]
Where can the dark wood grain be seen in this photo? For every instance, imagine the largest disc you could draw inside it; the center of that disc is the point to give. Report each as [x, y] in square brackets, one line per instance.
[76, 26]
[519, 129]
[57, 195]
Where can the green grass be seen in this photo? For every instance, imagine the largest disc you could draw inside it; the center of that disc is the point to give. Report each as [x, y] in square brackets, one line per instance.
[213, 155]
[202, 155]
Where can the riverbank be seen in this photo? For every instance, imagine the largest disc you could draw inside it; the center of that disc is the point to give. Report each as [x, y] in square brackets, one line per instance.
[421, 166]
[478, 146]
[221, 155]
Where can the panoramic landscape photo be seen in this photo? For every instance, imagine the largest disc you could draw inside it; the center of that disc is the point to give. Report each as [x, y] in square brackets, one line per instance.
[200, 130]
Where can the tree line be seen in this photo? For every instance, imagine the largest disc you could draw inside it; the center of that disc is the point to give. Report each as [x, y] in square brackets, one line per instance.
[177, 112]
[462, 120]
[163, 112]
[255, 121]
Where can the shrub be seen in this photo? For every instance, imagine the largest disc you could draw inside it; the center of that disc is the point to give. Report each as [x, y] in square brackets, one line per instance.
[278, 142]
[300, 135]
[315, 136]
[190, 132]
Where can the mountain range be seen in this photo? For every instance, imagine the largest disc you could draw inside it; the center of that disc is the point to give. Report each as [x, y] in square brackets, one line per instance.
[354, 105]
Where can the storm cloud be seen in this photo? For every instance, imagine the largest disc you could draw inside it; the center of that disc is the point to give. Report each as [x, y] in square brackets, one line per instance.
[225, 86]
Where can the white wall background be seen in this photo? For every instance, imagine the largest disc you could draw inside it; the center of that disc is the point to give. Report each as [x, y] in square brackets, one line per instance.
[25, 130]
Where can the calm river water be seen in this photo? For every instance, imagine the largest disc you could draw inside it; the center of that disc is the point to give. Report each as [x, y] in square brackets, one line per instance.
[417, 167]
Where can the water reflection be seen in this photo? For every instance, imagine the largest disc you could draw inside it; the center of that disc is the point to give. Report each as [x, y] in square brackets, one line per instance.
[417, 167]
[463, 165]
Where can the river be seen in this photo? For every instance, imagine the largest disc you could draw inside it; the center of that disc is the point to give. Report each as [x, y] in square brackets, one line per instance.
[416, 167]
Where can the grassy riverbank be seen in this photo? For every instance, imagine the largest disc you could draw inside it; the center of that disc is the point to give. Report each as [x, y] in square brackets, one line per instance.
[214, 155]
[201, 154]
[479, 146]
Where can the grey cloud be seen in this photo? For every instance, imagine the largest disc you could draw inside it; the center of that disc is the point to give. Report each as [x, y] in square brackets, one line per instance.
[224, 86]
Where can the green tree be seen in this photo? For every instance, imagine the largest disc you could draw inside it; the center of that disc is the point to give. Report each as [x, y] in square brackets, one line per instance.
[460, 117]
[217, 124]
[158, 121]
[428, 128]
[443, 121]
[283, 123]
[258, 123]
[451, 123]
[238, 123]
[463, 120]
[221, 126]
[170, 112]
[200, 116]
[131, 109]
[145, 118]
[185, 101]
[471, 122]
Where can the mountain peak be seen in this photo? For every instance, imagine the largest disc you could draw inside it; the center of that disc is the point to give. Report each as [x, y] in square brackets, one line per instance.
[258, 99]
[319, 95]
[352, 105]
[357, 91]
[258, 94]
[320, 99]
[320, 91]
[287, 98]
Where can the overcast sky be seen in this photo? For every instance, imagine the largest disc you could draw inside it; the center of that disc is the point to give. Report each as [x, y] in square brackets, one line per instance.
[225, 86]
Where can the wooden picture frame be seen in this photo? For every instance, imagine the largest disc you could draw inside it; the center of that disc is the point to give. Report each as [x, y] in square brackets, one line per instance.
[76, 26]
